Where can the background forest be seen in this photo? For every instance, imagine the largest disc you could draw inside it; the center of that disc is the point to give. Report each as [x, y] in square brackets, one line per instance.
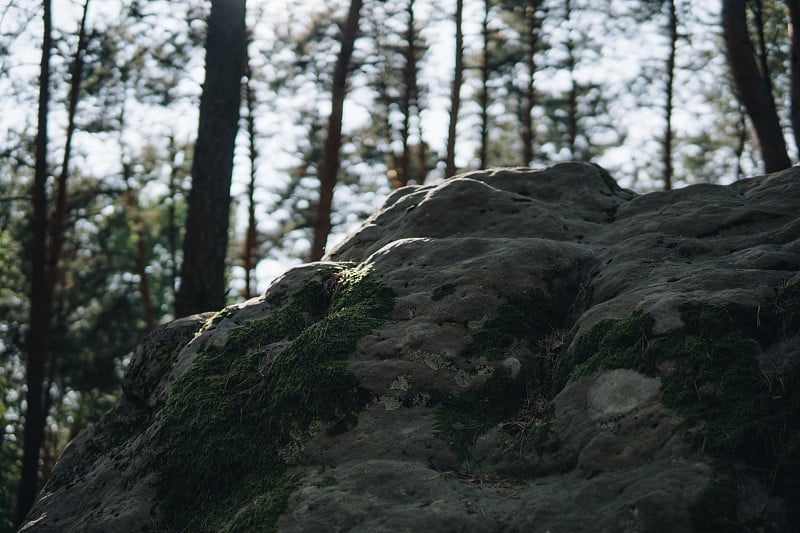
[322, 108]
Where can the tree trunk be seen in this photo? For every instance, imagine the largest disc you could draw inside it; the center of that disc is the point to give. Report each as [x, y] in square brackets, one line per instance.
[38, 342]
[408, 104]
[205, 244]
[172, 225]
[529, 97]
[329, 167]
[140, 239]
[751, 87]
[250, 244]
[56, 237]
[794, 62]
[763, 54]
[668, 133]
[483, 97]
[572, 94]
[455, 95]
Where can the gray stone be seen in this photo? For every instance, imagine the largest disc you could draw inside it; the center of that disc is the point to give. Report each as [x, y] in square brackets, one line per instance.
[546, 254]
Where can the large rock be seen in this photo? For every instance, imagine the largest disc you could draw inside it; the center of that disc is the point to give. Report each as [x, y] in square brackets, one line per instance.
[512, 350]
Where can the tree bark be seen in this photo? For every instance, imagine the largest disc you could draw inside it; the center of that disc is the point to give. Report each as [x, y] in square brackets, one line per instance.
[794, 64]
[572, 93]
[672, 26]
[455, 95]
[250, 244]
[329, 167]
[172, 225]
[57, 224]
[38, 342]
[140, 239]
[529, 96]
[408, 103]
[483, 97]
[205, 244]
[751, 87]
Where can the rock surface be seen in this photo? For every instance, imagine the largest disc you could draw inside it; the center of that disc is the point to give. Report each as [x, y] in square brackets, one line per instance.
[509, 350]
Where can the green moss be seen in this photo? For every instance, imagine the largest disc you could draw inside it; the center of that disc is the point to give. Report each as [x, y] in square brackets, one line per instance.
[462, 418]
[715, 511]
[238, 409]
[741, 414]
[327, 481]
[527, 317]
[612, 343]
[442, 292]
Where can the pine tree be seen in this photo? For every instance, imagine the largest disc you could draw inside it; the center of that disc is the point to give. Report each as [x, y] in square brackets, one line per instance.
[205, 244]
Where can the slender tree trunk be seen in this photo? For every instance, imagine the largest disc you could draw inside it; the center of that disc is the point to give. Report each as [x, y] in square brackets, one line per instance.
[329, 167]
[140, 240]
[763, 54]
[38, 342]
[741, 140]
[250, 244]
[529, 96]
[408, 104]
[572, 94]
[455, 95]
[751, 87]
[483, 97]
[148, 313]
[56, 237]
[668, 133]
[205, 244]
[794, 62]
[172, 225]
[422, 157]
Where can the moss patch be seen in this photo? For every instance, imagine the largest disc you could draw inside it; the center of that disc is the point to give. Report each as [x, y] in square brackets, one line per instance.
[439, 293]
[238, 413]
[518, 404]
[743, 415]
[527, 317]
[612, 343]
[461, 419]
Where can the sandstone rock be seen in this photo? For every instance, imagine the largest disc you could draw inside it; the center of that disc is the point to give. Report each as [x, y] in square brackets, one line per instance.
[509, 350]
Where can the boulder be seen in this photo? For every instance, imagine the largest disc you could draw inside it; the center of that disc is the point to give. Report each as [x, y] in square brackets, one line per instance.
[508, 350]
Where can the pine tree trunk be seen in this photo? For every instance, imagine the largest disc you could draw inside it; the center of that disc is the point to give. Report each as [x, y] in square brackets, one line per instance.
[529, 97]
[172, 225]
[140, 240]
[794, 62]
[668, 133]
[329, 167]
[58, 222]
[572, 94]
[250, 244]
[483, 97]
[751, 87]
[408, 103]
[38, 342]
[205, 244]
[455, 95]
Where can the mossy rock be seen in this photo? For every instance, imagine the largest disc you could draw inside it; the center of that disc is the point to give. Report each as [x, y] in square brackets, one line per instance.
[743, 415]
[526, 319]
[234, 420]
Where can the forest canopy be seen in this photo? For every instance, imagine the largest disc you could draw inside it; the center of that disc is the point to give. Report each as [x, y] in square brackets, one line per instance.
[330, 106]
